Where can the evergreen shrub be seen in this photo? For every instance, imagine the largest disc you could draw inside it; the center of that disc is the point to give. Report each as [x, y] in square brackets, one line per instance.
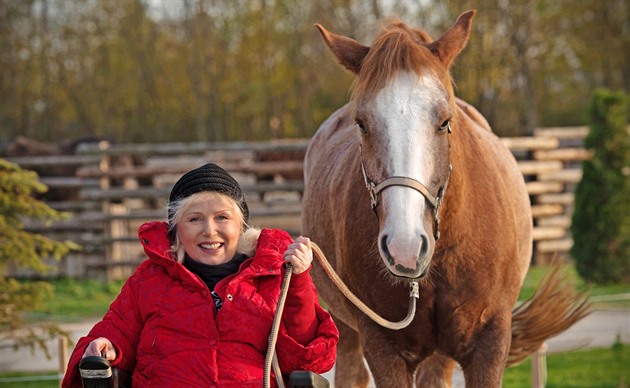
[601, 217]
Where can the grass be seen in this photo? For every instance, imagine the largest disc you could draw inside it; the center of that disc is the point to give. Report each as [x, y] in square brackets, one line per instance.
[29, 380]
[595, 368]
[76, 300]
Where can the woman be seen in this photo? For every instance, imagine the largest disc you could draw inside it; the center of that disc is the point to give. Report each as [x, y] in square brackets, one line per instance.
[199, 311]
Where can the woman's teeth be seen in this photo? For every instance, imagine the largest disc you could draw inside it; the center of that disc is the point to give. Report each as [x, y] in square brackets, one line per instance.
[211, 246]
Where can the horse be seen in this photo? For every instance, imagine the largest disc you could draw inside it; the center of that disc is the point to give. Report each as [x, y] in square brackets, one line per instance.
[445, 205]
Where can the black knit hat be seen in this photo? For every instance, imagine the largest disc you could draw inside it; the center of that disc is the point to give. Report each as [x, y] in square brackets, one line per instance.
[209, 177]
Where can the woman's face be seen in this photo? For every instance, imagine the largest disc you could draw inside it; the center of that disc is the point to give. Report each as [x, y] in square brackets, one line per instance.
[209, 229]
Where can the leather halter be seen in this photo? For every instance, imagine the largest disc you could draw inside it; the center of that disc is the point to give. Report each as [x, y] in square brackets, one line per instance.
[376, 188]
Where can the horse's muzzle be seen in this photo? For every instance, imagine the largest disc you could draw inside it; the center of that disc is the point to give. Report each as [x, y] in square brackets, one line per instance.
[397, 269]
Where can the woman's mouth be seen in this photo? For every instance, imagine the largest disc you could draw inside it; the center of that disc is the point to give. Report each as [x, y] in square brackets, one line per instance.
[211, 246]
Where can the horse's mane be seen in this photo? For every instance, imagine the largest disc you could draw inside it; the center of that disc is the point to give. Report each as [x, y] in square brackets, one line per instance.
[398, 47]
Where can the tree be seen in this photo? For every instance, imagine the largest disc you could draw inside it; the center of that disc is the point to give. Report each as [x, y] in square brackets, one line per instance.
[20, 248]
[601, 219]
[213, 70]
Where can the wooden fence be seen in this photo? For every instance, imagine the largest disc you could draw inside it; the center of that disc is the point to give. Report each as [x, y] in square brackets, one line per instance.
[110, 190]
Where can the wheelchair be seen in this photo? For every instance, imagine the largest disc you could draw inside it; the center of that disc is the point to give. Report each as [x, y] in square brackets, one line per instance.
[96, 372]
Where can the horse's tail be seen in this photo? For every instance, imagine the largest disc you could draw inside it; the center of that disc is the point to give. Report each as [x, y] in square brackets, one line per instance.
[554, 307]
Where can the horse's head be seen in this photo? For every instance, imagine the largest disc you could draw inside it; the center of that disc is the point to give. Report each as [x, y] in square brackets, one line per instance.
[404, 106]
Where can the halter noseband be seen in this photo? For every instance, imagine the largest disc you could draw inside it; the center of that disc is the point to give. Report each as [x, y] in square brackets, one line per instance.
[375, 189]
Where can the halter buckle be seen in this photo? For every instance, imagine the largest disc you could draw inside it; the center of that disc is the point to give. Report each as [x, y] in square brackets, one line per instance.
[414, 289]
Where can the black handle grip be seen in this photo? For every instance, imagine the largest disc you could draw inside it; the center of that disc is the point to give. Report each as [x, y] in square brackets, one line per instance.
[96, 372]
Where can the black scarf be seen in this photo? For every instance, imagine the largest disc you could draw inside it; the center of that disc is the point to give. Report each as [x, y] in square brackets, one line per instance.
[212, 274]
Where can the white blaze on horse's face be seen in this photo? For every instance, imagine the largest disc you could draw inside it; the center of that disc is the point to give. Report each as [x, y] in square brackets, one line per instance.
[409, 111]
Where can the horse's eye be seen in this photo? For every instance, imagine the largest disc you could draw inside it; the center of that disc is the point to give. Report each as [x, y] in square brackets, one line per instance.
[445, 126]
[361, 126]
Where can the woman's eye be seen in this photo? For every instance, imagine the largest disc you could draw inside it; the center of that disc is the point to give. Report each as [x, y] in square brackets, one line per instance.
[222, 217]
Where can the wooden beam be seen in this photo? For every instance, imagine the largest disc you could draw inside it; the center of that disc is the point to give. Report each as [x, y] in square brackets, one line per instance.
[570, 175]
[68, 182]
[529, 143]
[563, 221]
[556, 198]
[558, 245]
[534, 167]
[563, 132]
[181, 167]
[534, 187]
[149, 215]
[54, 160]
[546, 210]
[548, 233]
[195, 147]
[564, 154]
[115, 194]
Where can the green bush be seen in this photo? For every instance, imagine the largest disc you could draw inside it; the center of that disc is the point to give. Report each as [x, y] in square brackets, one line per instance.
[601, 219]
[23, 249]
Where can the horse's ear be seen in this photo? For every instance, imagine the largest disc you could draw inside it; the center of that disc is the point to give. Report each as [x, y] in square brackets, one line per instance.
[349, 52]
[454, 39]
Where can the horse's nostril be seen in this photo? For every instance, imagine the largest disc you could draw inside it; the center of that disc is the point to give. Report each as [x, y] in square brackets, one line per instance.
[424, 248]
[385, 251]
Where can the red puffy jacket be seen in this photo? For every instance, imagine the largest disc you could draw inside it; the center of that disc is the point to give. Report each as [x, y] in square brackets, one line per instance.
[167, 332]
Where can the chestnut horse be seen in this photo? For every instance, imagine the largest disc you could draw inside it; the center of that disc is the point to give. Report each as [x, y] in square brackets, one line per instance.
[401, 135]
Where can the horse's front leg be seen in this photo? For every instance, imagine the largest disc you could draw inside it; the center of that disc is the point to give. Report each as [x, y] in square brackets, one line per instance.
[483, 367]
[389, 369]
[350, 369]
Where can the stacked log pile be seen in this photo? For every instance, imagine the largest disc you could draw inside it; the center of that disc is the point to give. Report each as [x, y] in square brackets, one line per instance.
[112, 189]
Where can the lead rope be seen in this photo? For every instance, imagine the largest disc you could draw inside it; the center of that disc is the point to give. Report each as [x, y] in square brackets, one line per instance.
[414, 294]
[272, 358]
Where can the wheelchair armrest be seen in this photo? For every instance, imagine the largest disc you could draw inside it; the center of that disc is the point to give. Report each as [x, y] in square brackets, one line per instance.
[307, 379]
[96, 372]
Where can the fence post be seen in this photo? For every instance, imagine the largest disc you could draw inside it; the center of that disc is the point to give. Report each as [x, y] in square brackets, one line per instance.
[63, 357]
[539, 367]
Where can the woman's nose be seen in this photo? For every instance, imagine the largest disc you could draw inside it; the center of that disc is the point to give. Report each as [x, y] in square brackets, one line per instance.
[209, 228]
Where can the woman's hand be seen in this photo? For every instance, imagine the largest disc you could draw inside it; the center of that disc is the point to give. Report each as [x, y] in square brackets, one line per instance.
[299, 254]
[101, 347]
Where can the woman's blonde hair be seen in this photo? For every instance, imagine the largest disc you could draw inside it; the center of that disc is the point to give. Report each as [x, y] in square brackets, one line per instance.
[247, 241]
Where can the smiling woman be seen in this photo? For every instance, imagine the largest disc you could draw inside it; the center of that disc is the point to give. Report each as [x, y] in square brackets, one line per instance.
[207, 203]
[164, 327]
[209, 227]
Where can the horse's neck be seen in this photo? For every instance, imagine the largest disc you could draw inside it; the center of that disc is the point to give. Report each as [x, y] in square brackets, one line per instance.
[472, 113]
[470, 154]
[484, 174]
